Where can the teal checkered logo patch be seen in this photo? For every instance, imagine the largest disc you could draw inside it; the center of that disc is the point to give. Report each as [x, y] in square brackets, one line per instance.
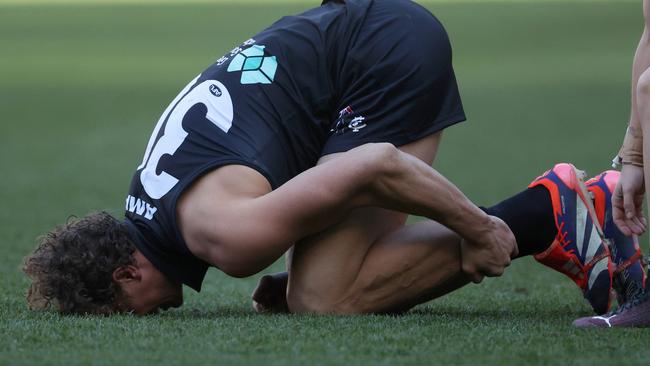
[256, 68]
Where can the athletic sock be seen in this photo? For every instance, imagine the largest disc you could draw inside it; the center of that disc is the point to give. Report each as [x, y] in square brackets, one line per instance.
[529, 215]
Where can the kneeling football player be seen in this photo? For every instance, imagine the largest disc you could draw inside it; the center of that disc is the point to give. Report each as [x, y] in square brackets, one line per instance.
[318, 134]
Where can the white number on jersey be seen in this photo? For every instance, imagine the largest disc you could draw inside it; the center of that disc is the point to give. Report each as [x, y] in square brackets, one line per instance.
[210, 93]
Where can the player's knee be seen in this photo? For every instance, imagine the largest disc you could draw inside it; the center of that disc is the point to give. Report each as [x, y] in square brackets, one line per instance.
[305, 302]
[643, 84]
[317, 302]
[301, 301]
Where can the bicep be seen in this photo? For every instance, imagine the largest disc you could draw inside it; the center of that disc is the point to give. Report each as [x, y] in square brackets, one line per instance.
[324, 194]
[310, 202]
[258, 231]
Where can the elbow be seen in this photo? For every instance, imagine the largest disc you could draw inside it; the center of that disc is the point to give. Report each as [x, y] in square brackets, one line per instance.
[380, 159]
[238, 270]
[387, 152]
[234, 264]
[227, 265]
[378, 166]
[240, 263]
[385, 163]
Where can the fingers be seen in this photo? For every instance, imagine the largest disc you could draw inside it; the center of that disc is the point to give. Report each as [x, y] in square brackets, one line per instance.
[477, 275]
[477, 278]
[261, 292]
[514, 252]
[632, 218]
[637, 225]
[505, 239]
[472, 272]
[259, 308]
[639, 215]
[497, 271]
[491, 257]
[618, 214]
[622, 225]
[627, 211]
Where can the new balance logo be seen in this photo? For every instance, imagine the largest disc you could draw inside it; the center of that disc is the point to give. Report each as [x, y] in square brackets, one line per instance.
[140, 207]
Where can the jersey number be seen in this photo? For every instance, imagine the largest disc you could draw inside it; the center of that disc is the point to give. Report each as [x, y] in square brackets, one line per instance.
[211, 94]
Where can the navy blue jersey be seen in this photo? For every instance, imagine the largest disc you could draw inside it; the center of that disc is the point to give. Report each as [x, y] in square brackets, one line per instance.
[324, 81]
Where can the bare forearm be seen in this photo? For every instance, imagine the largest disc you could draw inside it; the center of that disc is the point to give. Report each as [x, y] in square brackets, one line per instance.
[380, 175]
[640, 64]
[631, 151]
[371, 175]
[411, 186]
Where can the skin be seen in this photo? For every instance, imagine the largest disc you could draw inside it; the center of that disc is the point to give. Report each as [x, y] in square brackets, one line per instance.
[144, 289]
[347, 215]
[227, 222]
[628, 196]
[371, 262]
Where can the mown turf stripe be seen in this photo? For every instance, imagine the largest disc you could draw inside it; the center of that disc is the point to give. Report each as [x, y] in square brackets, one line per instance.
[267, 2]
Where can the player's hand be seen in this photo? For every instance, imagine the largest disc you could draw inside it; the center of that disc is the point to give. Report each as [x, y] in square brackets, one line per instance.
[270, 295]
[627, 201]
[489, 254]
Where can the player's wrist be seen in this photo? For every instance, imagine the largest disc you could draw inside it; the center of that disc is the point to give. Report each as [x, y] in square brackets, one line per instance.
[631, 153]
[476, 226]
[617, 162]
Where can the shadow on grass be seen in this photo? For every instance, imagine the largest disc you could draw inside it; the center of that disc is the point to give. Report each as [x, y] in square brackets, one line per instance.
[220, 312]
[437, 313]
[449, 312]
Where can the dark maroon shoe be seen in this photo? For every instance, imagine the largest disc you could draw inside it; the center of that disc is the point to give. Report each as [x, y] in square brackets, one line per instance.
[635, 313]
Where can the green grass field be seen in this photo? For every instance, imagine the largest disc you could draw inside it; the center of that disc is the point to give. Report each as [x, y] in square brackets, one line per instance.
[82, 86]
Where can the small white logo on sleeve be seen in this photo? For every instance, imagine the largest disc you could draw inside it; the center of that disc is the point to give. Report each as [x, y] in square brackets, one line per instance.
[357, 124]
[215, 90]
[140, 207]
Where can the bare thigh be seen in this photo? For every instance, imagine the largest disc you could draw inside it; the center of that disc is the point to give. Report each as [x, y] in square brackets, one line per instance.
[371, 261]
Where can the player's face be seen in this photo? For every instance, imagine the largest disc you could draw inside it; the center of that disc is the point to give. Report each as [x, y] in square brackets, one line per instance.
[155, 293]
[146, 290]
